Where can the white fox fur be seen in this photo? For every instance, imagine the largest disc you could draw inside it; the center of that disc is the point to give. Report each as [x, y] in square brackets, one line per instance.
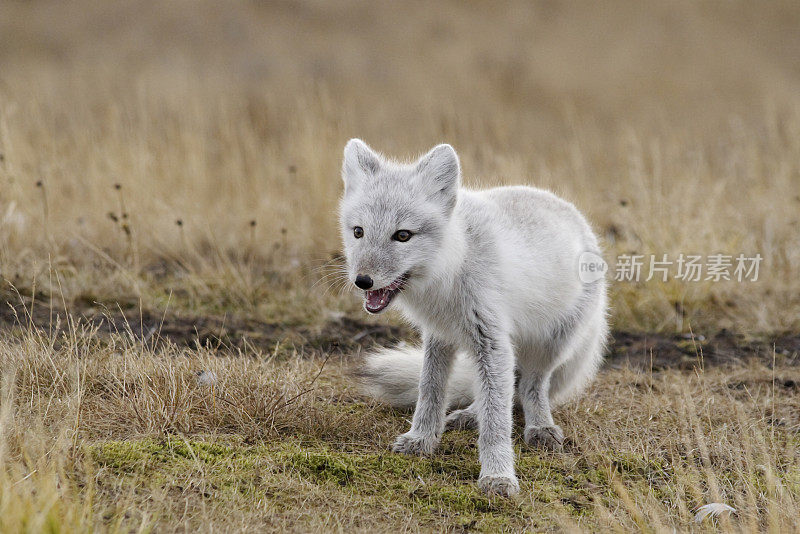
[491, 280]
[391, 375]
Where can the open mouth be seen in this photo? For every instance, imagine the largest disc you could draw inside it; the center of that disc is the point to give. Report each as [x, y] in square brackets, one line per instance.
[376, 300]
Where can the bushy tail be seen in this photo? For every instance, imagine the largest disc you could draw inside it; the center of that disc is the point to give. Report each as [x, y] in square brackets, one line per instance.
[392, 376]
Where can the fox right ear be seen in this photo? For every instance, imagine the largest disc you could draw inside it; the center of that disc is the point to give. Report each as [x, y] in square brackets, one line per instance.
[360, 161]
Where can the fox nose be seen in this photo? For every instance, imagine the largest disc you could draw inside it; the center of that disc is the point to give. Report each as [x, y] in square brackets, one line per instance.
[363, 281]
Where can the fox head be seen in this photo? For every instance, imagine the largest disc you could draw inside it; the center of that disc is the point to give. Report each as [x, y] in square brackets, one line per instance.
[394, 218]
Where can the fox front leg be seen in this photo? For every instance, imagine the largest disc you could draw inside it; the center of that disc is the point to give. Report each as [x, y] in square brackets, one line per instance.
[428, 422]
[495, 363]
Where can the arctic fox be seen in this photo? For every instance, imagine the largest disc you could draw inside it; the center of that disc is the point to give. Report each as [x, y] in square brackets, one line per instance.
[491, 279]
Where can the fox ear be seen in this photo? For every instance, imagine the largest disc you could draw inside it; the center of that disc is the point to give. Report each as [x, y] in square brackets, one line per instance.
[360, 161]
[440, 174]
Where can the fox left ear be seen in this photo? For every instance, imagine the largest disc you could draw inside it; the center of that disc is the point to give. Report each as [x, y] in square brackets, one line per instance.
[440, 174]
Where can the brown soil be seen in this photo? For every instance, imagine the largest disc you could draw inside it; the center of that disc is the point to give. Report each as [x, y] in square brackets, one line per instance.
[341, 335]
[685, 351]
[349, 335]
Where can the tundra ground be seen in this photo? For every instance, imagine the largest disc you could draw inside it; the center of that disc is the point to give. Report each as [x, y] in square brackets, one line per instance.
[175, 332]
[142, 421]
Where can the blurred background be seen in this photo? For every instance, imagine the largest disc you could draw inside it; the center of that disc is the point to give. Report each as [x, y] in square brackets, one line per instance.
[191, 149]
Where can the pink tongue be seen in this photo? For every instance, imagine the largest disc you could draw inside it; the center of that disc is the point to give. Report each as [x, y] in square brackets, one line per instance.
[378, 299]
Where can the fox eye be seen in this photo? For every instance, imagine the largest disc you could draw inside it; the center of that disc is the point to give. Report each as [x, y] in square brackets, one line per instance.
[358, 232]
[402, 235]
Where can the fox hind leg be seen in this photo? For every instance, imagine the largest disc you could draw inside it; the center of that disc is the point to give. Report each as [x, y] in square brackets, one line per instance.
[551, 373]
[536, 363]
[540, 429]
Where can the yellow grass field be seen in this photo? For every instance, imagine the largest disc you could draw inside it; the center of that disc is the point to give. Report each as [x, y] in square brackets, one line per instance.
[169, 177]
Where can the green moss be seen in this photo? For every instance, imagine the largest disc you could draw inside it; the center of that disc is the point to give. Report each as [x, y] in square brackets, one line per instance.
[323, 467]
[289, 473]
[428, 487]
[128, 456]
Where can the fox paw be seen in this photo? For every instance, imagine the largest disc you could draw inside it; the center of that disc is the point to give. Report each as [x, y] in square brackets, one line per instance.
[415, 444]
[461, 420]
[546, 437]
[501, 486]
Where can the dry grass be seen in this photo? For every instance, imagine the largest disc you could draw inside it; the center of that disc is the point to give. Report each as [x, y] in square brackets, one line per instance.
[110, 434]
[184, 155]
[676, 128]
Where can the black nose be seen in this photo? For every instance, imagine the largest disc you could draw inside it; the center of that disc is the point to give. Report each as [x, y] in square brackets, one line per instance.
[363, 281]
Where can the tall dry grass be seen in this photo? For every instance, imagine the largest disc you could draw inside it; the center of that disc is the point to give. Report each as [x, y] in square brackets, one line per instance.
[61, 393]
[206, 140]
[112, 434]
